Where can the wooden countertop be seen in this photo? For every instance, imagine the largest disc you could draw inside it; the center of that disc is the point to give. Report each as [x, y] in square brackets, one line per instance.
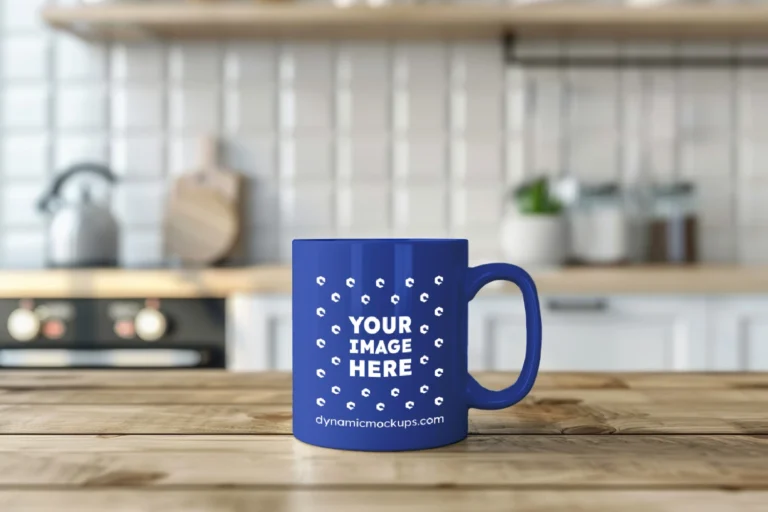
[223, 282]
[216, 441]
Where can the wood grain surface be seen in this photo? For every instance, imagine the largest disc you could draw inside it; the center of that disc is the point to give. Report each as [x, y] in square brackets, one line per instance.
[444, 500]
[216, 379]
[215, 441]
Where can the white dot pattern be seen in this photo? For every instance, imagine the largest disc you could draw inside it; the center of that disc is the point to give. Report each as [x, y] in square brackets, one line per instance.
[336, 360]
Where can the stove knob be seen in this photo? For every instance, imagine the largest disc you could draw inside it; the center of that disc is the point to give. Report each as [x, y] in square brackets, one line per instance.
[23, 325]
[151, 324]
[54, 329]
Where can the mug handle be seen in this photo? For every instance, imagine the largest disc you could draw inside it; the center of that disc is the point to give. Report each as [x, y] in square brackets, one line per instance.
[479, 397]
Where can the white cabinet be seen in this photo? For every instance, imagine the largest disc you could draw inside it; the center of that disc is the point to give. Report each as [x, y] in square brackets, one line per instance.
[652, 333]
[259, 332]
[739, 333]
[595, 334]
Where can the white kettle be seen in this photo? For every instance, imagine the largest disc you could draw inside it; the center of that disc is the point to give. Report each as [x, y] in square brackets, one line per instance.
[81, 233]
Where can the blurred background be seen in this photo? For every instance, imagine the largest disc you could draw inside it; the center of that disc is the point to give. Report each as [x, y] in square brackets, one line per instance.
[625, 173]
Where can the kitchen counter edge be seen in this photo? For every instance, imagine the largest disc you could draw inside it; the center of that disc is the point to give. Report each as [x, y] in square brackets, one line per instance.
[224, 282]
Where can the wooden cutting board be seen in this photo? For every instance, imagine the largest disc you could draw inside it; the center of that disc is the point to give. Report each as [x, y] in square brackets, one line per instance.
[202, 219]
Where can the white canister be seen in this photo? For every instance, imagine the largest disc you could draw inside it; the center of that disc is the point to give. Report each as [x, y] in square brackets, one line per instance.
[599, 226]
[533, 241]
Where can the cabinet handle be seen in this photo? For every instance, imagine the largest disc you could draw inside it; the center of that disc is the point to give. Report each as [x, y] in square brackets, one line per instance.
[577, 305]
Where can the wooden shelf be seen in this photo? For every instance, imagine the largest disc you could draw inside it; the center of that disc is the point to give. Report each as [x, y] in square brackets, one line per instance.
[269, 20]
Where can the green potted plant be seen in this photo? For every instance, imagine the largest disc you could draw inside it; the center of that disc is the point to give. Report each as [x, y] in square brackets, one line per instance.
[533, 230]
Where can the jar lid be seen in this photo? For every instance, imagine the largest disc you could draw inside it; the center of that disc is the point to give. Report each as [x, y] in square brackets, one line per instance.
[677, 188]
[600, 190]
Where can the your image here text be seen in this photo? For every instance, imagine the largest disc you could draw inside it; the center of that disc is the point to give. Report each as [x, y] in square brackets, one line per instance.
[362, 345]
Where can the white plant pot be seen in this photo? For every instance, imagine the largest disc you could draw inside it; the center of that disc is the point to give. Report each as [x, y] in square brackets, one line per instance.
[534, 241]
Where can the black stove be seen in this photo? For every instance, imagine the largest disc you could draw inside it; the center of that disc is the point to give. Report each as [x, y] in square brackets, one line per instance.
[138, 333]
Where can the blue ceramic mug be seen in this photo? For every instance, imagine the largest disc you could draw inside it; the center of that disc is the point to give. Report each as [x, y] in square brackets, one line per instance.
[380, 342]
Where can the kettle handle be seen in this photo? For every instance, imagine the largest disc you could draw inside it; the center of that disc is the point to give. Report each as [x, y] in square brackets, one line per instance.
[53, 193]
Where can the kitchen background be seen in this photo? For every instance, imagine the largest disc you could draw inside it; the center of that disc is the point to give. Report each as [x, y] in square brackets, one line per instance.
[392, 138]
[374, 138]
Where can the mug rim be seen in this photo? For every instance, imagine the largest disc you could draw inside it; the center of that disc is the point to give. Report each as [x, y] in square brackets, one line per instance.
[384, 240]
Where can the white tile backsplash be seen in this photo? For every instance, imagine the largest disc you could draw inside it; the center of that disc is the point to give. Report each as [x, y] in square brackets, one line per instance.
[306, 158]
[25, 57]
[81, 107]
[22, 248]
[421, 159]
[661, 159]
[421, 111]
[250, 63]
[374, 138]
[21, 15]
[140, 204]
[593, 100]
[264, 245]
[421, 65]
[193, 63]
[594, 156]
[706, 156]
[477, 160]
[475, 66]
[138, 63]
[25, 106]
[718, 245]
[262, 204]
[753, 156]
[364, 65]
[545, 123]
[18, 205]
[484, 244]
[752, 101]
[477, 112]
[515, 162]
[516, 107]
[364, 110]
[422, 207]
[364, 158]
[753, 246]
[308, 206]
[307, 66]
[77, 60]
[718, 195]
[250, 109]
[138, 156]
[364, 207]
[25, 156]
[137, 108]
[253, 155]
[141, 246]
[663, 105]
[753, 204]
[73, 148]
[196, 111]
[477, 206]
[305, 110]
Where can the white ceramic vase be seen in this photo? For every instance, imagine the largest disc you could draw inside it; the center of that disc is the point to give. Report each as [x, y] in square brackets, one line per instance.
[534, 241]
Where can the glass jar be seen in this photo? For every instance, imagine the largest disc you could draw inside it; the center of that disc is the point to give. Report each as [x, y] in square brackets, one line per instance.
[673, 227]
[599, 225]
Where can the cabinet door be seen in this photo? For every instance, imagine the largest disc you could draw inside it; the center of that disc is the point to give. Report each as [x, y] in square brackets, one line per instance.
[739, 333]
[259, 332]
[601, 334]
